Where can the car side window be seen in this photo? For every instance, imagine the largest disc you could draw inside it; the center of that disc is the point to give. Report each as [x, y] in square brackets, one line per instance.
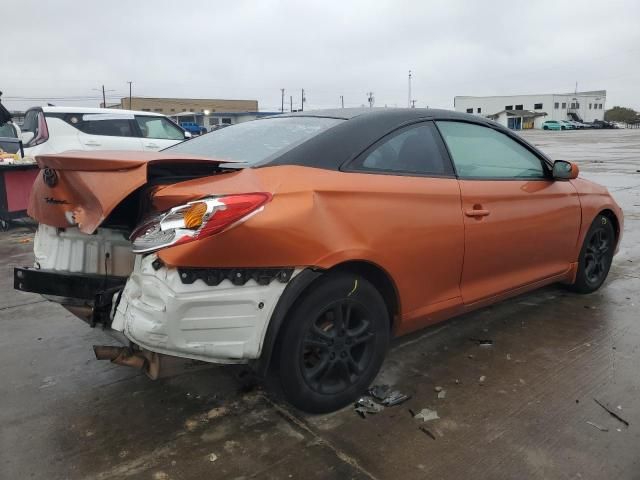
[159, 127]
[482, 152]
[101, 124]
[414, 149]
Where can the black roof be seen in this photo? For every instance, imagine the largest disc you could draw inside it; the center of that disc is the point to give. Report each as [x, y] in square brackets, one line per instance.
[408, 114]
[362, 127]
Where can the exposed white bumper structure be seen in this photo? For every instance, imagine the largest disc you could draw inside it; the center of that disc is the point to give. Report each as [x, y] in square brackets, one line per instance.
[105, 252]
[226, 323]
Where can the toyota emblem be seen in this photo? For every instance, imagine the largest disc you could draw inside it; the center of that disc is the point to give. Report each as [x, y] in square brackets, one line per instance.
[50, 177]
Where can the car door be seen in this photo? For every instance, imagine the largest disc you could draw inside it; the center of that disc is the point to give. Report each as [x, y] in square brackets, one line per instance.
[106, 131]
[158, 132]
[521, 226]
[410, 183]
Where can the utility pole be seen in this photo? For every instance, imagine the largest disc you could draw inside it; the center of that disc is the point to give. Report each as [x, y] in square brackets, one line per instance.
[130, 83]
[409, 103]
[104, 94]
[291, 103]
[370, 99]
[342, 100]
[302, 102]
[282, 107]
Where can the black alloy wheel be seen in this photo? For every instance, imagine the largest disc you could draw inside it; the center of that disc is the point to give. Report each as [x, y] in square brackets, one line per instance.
[338, 347]
[596, 256]
[333, 343]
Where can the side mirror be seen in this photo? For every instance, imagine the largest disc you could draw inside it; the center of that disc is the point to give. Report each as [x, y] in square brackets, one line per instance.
[563, 170]
[187, 135]
[26, 137]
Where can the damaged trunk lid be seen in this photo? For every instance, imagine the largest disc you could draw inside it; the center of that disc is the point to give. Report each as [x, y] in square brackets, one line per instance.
[82, 188]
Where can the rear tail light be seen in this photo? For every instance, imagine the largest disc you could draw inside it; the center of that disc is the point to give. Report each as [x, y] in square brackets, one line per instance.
[196, 220]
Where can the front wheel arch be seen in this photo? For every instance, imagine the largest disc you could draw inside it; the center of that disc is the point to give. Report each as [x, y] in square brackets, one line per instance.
[614, 220]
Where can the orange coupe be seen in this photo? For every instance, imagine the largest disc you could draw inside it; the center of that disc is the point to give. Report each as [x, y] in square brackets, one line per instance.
[306, 241]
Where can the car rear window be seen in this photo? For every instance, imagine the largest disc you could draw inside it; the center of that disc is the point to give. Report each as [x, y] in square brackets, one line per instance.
[258, 141]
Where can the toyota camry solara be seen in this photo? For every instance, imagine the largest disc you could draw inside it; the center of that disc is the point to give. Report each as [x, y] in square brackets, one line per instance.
[305, 242]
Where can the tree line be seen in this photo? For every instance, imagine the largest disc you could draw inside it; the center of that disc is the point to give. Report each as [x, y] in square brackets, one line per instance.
[622, 114]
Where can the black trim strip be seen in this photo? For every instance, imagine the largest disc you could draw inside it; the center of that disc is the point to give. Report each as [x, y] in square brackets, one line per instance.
[238, 276]
[64, 284]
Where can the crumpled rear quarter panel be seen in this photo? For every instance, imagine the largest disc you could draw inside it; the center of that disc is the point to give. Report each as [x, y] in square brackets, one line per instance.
[412, 227]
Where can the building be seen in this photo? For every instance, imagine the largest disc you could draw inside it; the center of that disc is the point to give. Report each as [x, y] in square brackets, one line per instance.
[213, 120]
[172, 106]
[530, 111]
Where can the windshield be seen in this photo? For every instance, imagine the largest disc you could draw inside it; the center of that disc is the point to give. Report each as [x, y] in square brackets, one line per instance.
[257, 141]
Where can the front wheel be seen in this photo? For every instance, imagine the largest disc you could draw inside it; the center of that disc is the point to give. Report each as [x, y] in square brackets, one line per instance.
[333, 343]
[596, 256]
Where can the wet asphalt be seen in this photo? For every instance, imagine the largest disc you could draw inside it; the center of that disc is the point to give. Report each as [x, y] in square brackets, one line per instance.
[518, 408]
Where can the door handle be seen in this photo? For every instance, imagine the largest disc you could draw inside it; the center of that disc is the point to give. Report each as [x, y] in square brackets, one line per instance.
[476, 212]
[151, 145]
[92, 143]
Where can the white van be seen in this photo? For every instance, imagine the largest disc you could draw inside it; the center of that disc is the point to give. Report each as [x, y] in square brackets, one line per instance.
[58, 129]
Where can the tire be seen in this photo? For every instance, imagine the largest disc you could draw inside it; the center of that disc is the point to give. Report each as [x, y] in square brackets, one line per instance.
[545, 128]
[324, 367]
[563, 128]
[596, 256]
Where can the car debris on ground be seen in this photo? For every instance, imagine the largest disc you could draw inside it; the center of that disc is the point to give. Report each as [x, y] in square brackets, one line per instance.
[482, 342]
[426, 414]
[599, 427]
[379, 397]
[612, 413]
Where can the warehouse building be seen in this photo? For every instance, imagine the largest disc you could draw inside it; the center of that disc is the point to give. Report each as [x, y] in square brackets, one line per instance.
[530, 111]
[171, 106]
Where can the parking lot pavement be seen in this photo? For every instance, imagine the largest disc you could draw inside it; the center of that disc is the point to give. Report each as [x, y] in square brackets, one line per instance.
[515, 409]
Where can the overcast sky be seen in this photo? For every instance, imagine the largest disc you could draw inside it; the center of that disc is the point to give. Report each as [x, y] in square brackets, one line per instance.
[59, 51]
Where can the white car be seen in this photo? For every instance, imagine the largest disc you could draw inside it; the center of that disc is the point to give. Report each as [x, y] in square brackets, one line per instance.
[59, 129]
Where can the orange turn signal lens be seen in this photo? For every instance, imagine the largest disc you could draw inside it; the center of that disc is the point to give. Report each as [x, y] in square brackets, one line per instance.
[194, 217]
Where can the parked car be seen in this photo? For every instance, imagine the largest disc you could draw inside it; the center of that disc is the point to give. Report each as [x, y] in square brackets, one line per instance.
[576, 125]
[58, 129]
[193, 128]
[552, 125]
[9, 130]
[566, 125]
[305, 241]
[602, 124]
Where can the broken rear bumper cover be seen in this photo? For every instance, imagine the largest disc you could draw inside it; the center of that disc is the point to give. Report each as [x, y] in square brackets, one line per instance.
[214, 315]
[223, 323]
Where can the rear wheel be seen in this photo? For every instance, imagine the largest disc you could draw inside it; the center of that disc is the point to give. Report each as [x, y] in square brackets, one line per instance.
[545, 128]
[596, 256]
[334, 343]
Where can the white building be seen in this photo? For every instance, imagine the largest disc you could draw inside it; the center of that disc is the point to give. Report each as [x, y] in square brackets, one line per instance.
[530, 111]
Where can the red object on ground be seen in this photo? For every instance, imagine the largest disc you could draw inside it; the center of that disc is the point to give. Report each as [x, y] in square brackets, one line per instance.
[15, 186]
